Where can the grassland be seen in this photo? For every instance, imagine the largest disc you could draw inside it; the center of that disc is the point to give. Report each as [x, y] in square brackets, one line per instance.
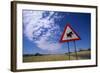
[57, 57]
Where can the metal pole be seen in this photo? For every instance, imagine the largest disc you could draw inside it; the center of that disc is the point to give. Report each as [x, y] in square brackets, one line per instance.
[75, 51]
[68, 50]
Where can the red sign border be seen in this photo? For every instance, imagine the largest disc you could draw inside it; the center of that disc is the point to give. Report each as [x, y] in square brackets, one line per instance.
[62, 41]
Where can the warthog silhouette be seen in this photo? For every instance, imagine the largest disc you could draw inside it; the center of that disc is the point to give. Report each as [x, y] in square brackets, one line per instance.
[69, 34]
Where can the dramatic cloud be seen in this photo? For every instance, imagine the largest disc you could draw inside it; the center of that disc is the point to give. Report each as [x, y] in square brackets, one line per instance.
[40, 27]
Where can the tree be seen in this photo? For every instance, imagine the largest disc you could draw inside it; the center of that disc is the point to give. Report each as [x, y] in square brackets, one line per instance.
[38, 54]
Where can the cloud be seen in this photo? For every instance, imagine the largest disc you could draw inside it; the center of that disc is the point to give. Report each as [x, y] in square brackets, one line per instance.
[45, 45]
[40, 28]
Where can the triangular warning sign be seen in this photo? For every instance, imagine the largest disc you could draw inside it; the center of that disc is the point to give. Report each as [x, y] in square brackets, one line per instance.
[69, 34]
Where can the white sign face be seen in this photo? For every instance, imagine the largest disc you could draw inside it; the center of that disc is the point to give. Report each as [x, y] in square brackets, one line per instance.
[69, 34]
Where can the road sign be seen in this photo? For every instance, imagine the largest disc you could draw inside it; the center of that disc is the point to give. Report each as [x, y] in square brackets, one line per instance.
[69, 34]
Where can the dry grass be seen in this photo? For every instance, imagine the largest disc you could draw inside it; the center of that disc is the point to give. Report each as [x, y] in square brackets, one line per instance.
[58, 57]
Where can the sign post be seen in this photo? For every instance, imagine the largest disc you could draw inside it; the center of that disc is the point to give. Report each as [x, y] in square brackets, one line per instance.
[68, 50]
[75, 51]
[70, 35]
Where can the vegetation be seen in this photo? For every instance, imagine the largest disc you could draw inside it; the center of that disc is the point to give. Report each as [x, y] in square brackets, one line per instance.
[83, 54]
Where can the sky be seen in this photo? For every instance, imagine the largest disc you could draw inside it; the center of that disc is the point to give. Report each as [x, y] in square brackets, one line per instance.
[42, 31]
